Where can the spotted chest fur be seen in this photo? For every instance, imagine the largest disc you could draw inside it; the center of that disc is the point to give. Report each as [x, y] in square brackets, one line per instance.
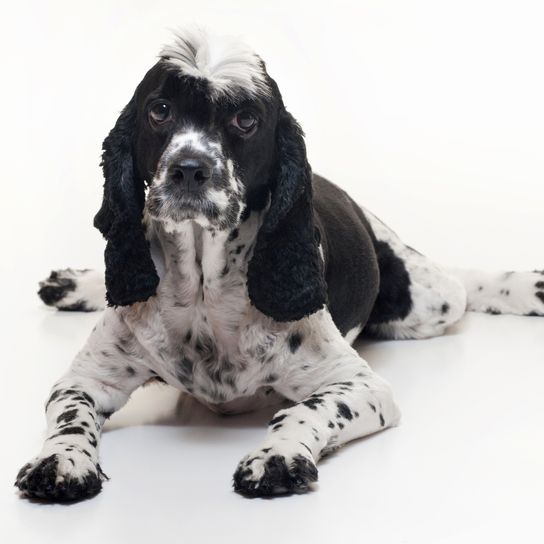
[200, 332]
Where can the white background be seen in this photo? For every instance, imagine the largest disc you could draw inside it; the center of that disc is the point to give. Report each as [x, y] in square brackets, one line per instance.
[431, 114]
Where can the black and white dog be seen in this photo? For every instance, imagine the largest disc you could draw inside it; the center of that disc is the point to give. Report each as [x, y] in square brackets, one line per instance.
[236, 275]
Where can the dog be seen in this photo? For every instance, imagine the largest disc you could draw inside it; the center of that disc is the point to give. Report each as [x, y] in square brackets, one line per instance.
[240, 277]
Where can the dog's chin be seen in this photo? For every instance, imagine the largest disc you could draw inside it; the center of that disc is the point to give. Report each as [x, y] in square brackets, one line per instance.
[176, 212]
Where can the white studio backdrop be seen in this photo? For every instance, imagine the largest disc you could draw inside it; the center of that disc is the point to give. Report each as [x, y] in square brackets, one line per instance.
[429, 112]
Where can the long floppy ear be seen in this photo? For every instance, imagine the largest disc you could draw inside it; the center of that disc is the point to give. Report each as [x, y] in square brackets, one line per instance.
[130, 272]
[285, 276]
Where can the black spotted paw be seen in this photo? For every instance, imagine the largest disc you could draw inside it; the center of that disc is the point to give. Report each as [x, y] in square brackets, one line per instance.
[60, 478]
[73, 290]
[275, 471]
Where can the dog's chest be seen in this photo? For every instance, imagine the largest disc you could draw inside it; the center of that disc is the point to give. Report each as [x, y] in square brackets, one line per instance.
[201, 328]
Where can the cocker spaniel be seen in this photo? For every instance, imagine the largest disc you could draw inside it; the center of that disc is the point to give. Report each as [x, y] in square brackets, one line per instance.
[236, 275]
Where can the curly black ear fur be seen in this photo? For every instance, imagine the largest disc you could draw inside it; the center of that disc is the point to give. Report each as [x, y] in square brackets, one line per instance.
[285, 276]
[130, 272]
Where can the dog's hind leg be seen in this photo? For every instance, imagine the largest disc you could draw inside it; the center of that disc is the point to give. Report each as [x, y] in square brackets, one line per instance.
[417, 298]
[74, 290]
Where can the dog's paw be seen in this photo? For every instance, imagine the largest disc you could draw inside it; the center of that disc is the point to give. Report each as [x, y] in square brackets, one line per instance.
[73, 290]
[60, 477]
[275, 470]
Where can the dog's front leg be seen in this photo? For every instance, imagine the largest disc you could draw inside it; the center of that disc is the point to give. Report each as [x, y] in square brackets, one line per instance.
[352, 401]
[98, 383]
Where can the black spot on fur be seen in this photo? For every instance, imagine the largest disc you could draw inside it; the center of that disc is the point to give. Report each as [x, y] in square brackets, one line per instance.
[382, 421]
[344, 411]
[130, 370]
[445, 308]
[493, 311]
[294, 341]
[276, 427]
[331, 425]
[372, 406]
[68, 416]
[313, 402]
[233, 235]
[68, 430]
[55, 288]
[277, 419]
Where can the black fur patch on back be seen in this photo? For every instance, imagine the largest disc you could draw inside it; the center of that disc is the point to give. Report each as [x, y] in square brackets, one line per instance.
[351, 268]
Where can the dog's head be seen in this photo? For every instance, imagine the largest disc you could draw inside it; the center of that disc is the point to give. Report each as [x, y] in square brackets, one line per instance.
[207, 132]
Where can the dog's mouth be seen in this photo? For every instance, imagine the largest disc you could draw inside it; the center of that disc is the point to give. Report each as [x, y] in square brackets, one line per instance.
[177, 206]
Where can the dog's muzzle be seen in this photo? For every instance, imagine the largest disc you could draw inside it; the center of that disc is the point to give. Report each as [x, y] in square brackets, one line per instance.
[195, 181]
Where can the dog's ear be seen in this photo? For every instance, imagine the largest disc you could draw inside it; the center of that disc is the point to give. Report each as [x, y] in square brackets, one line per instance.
[130, 272]
[285, 276]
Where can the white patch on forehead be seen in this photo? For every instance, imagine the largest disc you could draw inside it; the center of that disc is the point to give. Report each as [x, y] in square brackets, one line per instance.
[228, 64]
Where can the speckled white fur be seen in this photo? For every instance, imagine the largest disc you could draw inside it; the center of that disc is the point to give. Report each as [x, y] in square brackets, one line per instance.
[504, 292]
[201, 334]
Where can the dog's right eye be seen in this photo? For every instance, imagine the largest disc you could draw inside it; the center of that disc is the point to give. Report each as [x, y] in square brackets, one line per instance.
[160, 112]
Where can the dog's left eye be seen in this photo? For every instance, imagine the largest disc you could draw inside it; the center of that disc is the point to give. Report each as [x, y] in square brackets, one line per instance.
[244, 121]
[160, 112]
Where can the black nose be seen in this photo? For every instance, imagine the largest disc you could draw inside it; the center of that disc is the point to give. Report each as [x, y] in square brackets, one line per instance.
[190, 174]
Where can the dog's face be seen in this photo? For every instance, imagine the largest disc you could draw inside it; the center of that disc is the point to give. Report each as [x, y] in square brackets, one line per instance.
[207, 132]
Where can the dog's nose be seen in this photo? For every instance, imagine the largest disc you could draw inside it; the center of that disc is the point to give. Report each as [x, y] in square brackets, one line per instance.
[191, 174]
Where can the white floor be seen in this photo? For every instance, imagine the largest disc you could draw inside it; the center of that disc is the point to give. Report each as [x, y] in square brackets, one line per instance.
[465, 465]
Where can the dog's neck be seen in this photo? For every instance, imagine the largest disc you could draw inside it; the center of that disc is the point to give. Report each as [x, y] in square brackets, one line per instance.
[188, 249]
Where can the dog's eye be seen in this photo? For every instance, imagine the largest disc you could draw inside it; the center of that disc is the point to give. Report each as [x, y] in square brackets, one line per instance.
[160, 112]
[244, 121]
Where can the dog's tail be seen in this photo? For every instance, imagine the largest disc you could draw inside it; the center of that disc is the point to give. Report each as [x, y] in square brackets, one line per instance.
[517, 293]
[74, 290]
